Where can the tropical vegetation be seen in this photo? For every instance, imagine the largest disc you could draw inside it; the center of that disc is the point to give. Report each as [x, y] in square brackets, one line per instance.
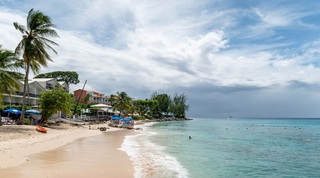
[168, 106]
[70, 77]
[164, 103]
[34, 44]
[9, 75]
[53, 101]
[143, 107]
[179, 106]
[160, 105]
[122, 102]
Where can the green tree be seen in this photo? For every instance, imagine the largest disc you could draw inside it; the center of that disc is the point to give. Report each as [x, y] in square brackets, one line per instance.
[142, 107]
[53, 101]
[86, 99]
[164, 103]
[33, 45]
[9, 64]
[122, 102]
[179, 105]
[77, 108]
[70, 77]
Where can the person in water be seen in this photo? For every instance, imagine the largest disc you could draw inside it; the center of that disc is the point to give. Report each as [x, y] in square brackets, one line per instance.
[189, 137]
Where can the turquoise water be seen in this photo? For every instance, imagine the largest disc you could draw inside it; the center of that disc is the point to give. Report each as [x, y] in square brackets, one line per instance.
[228, 148]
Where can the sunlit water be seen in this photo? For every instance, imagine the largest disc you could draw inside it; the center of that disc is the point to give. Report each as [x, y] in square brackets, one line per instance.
[227, 148]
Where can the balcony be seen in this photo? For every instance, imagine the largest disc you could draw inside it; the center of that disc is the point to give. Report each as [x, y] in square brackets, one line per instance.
[30, 95]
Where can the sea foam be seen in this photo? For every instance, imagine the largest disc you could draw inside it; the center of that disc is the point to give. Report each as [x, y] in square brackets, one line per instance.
[150, 159]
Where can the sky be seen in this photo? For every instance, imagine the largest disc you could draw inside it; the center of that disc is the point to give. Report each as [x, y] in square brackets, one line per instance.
[248, 58]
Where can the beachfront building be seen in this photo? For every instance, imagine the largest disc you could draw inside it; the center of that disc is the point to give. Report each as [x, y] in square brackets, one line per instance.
[36, 86]
[102, 110]
[94, 96]
[51, 83]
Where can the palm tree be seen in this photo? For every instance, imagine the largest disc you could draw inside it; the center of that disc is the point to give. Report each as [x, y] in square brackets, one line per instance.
[34, 44]
[9, 77]
[122, 102]
[112, 98]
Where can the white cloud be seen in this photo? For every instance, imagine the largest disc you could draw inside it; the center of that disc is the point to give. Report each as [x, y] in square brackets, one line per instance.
[276, 17]
[146, 46]
[9, 36]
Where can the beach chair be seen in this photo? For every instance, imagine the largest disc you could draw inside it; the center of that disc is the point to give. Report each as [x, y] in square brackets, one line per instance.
[7, 120]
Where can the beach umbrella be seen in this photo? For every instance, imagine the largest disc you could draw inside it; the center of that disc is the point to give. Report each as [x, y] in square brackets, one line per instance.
[116, 118]
[12, 111]
[127, 119]
[32, 111]
[101, 106]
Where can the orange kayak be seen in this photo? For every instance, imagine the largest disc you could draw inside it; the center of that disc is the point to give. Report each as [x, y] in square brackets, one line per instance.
[41, 129]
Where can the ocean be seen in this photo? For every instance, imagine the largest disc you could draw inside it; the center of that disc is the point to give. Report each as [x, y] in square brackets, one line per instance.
[233, 147]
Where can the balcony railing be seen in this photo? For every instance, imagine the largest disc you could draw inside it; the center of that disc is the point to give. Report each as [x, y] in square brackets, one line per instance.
[18, 103]
[30, 95]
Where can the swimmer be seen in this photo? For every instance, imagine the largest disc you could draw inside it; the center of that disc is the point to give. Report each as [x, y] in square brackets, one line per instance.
[308, 140]
[189, 137]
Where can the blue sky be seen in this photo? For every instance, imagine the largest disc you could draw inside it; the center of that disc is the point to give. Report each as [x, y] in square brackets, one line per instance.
[250, 58]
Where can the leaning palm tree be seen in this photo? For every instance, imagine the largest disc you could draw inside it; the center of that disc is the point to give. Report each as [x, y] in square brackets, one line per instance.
[9, 75]
[34, 44]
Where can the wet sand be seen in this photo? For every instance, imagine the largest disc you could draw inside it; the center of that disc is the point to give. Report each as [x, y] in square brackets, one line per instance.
[96, 156]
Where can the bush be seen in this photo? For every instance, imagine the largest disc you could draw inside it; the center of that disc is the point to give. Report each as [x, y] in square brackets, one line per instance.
[137, 118]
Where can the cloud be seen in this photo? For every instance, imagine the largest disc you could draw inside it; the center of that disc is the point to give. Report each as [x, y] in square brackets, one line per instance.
[239, 101]
[9, 36]
[215, 54]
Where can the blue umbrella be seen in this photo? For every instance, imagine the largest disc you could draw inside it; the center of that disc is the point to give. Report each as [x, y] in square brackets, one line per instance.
[12, 111]
[32, 111]
[126, 119]
[116, 118]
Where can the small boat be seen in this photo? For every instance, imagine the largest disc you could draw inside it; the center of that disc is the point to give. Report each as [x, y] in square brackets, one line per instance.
[41, 129]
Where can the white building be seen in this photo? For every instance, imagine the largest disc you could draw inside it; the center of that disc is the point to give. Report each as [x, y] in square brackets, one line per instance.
[36, 86]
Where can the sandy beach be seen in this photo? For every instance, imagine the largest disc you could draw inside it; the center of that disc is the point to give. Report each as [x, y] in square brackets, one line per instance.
[24, 152]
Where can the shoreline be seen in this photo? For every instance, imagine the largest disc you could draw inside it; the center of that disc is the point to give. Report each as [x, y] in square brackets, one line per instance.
[23, 151]
[149, 157]
[20, 142]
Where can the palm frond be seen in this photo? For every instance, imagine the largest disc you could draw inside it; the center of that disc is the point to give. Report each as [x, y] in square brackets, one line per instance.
[8, 85]
[46, 32]
[35, 66]
[29, 18]
[9, 63]
[16, 75]
[46, 41]
[19, 27]
[20, 48]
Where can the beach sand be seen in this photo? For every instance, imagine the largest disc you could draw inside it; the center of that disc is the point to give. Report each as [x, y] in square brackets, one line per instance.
[65, 151]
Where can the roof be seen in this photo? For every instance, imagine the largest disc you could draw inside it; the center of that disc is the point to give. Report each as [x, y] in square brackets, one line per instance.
[43, 79]
[37, 83]
[79, 90]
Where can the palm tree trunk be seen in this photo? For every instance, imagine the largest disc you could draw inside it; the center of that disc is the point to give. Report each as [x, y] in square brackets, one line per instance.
[24, 93]
[28, 92]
